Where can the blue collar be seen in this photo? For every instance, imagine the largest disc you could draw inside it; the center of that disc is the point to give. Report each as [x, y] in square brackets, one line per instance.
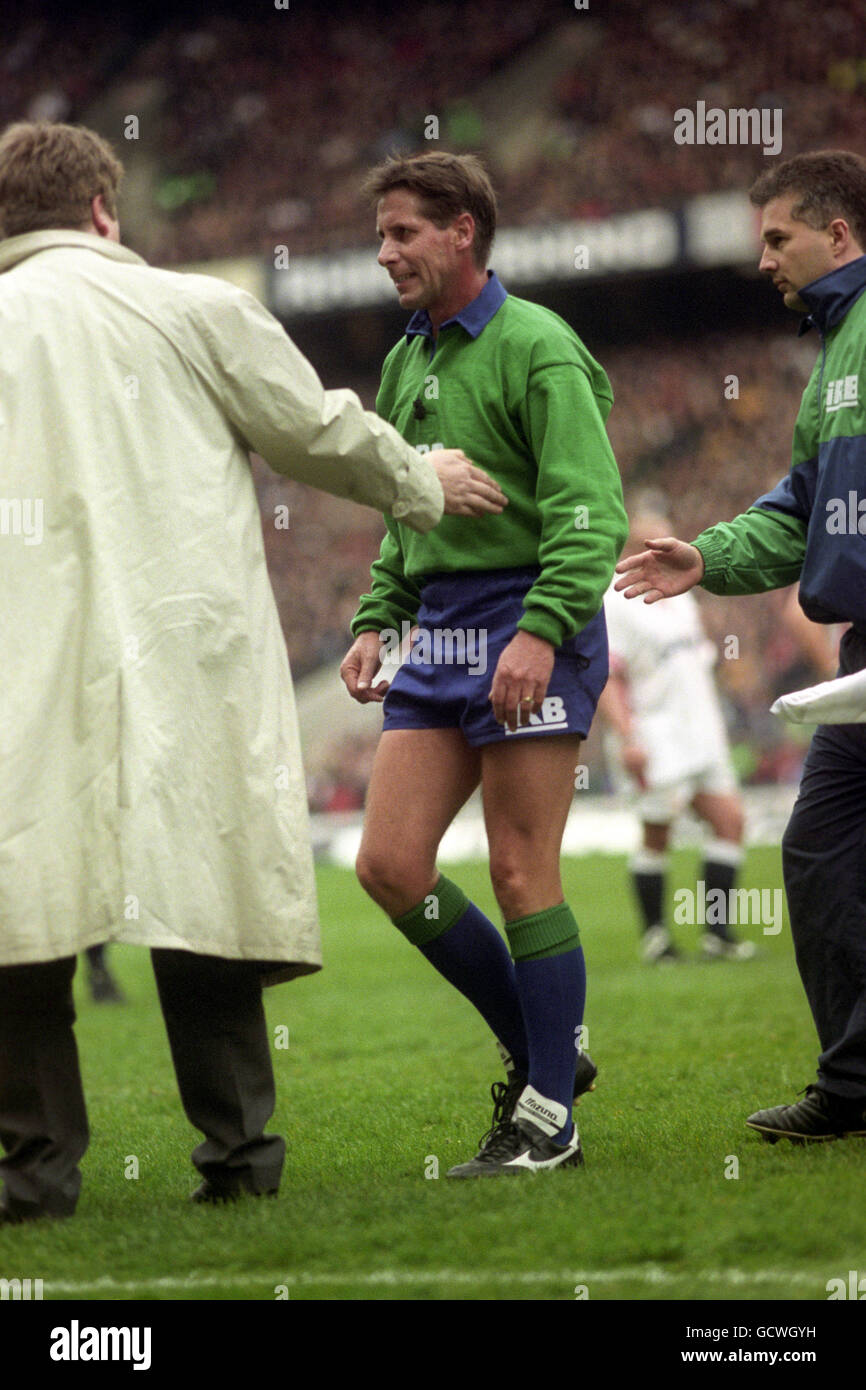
[474, 317]
[829, 298]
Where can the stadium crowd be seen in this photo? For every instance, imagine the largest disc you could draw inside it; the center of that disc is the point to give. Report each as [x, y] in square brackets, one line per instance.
[265, 124]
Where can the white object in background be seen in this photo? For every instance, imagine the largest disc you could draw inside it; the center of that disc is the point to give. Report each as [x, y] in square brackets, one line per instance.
[841, 701]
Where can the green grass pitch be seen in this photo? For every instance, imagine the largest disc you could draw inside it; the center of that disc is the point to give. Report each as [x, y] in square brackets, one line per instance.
[386, 1076]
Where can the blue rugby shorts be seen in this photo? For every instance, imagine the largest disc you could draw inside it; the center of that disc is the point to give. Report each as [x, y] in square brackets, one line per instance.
[464, 623]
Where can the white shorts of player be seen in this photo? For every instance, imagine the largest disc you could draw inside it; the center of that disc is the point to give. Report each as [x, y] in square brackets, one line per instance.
[662, 804]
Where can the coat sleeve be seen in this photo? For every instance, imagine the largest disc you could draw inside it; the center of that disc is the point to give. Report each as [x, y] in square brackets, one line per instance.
[276, 402]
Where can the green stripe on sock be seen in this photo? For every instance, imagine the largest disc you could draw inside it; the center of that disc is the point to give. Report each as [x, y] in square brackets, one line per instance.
[434, 915]
[549, 933]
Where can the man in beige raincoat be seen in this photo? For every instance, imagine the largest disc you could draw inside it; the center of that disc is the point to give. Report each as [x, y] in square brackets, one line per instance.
[151, 787]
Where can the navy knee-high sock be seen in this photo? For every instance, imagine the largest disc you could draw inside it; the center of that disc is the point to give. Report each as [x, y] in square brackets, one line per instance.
[551, 980]
[471, 954]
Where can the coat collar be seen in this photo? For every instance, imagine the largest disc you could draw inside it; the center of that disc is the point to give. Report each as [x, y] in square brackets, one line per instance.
[17, 248]
[829, 298]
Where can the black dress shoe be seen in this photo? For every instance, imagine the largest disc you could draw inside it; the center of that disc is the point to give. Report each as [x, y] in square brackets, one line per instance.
[21, 1214]
[819, 1117]
[7, 1219]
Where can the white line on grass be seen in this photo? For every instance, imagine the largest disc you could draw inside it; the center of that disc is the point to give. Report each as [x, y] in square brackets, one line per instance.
[396, 1278]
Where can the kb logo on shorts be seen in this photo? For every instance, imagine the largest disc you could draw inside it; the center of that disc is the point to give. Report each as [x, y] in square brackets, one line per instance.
[552, 716]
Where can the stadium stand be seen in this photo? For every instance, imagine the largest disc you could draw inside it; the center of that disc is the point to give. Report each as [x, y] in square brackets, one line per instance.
[250, 153]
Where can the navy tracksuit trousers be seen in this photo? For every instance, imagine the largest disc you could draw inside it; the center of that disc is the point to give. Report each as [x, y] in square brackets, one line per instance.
[824, 861]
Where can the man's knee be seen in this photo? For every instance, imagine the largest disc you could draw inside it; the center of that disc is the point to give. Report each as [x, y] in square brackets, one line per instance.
[656, 836]
[723, 813]
[731, 824]
[393, 879]
[374, 873]
[516, 876]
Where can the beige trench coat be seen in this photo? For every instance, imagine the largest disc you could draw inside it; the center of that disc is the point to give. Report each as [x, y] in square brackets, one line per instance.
[151, 787]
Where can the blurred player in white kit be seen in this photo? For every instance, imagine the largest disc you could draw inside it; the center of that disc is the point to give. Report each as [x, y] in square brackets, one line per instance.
[666, 743]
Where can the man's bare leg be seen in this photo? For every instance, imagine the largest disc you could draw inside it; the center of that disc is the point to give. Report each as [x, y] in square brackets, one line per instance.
[420, 780]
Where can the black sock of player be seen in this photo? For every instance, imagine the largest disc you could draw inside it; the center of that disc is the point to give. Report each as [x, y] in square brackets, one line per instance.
[719, 873]
[96, 957]
[648, 877]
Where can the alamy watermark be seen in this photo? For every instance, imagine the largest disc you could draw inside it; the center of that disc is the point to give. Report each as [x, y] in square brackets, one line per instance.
[743, 906]
[437, 646]
[846, 516]
[22, 517]
[21, 1289]
[854, 1288]
[77, 1343]
[737, 126]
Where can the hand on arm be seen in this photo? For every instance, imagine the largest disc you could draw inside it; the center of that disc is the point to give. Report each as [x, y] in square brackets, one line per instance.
[468, 490]
[276, 402]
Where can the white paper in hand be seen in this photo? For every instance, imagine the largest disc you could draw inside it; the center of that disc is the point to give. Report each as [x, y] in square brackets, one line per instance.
[841, 701]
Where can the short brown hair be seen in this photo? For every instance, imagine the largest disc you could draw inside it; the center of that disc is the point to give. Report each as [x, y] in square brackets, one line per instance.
[49, 175]
[828, 183]
[446, 185]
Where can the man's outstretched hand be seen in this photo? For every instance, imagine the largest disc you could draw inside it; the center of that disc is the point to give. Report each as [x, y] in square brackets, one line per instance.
[667, 567]
[468, 490]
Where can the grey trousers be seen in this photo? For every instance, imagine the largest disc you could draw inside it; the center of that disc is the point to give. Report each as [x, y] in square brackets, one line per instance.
[216, 1029]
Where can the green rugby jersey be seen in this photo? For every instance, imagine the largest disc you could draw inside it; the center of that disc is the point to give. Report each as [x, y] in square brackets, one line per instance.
[510, 384]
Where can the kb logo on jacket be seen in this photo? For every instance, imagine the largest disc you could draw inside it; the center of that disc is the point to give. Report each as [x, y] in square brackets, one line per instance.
[842, 393]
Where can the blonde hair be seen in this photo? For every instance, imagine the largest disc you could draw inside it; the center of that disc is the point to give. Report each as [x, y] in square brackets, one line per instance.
[49, 175]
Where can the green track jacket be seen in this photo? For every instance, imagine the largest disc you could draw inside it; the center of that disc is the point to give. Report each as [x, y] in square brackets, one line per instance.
[812, 526]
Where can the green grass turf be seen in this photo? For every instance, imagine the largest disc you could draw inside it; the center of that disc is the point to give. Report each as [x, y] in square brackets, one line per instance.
[388, 1071]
